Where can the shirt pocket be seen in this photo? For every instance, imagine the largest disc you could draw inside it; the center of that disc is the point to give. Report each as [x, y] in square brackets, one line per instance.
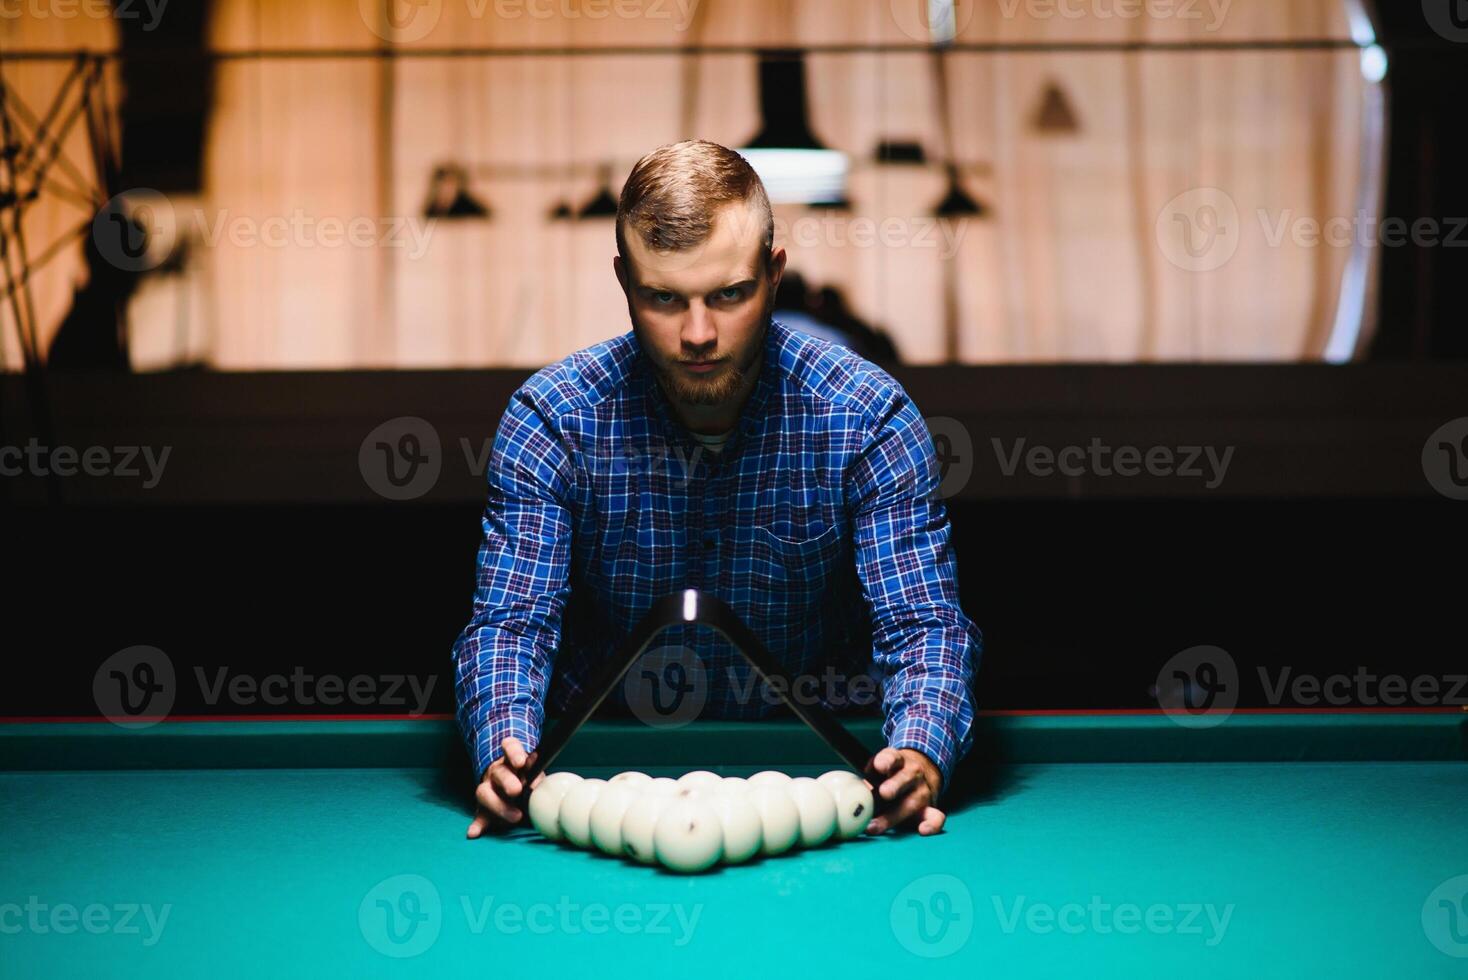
[790, 576]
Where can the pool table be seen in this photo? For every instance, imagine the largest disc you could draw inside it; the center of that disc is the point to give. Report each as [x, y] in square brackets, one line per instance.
[1097, 845]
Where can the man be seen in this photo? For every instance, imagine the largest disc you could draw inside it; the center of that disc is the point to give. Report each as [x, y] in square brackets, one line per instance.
[714, 448]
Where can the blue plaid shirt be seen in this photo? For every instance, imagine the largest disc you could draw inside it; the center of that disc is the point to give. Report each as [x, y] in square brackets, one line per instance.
[819, 523]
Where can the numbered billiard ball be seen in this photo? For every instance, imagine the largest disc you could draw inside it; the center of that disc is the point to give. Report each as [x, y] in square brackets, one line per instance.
[854, 804]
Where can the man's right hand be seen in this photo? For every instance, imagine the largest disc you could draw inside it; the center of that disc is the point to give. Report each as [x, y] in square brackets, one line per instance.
[497, 797]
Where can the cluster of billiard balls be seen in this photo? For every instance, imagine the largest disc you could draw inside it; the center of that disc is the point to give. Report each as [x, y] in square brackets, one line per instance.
[691, 823]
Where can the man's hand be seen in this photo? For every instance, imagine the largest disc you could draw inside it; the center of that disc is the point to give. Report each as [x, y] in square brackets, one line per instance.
[497, 796]
[907, 783]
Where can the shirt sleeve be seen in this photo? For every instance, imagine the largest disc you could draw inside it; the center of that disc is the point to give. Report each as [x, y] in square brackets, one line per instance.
[503, 658]
[924, 647]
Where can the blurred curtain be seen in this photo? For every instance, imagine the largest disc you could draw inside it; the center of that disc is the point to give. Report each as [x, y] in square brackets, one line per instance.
[1066, 263]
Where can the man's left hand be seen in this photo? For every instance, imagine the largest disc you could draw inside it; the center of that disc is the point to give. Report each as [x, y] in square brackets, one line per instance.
[907, 784]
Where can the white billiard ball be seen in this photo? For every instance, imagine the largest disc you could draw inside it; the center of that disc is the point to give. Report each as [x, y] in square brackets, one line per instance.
[688, 837]
[606, 816]
[737, 784]
[831, 779]
[576, 811]
[638, 824]
[741, 825]
[769, 777]
[779, 818]
[817, 811]
[545, 802]
[637, 779]
[661, 786]
[854, 805]
[700, 778]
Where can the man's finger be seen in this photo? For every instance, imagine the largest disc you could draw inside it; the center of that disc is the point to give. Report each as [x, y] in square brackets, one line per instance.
[509, 785]
[478, 825]
[932, 822]
[514, 751]
[901, 783]
[500, 809]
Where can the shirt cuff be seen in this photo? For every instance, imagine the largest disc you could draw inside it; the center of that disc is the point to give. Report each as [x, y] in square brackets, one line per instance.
[930, 737]
[485, 744]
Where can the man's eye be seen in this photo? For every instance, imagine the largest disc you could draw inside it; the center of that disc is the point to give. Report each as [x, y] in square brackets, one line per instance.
[663, 298]
[731, 293]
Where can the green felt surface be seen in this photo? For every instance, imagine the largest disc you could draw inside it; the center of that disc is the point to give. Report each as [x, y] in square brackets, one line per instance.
[1322, 868]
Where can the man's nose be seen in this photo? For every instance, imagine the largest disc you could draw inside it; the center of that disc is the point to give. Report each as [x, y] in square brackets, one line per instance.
[698, 329]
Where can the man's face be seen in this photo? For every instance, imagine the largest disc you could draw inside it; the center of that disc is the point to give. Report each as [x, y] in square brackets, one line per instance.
[700, 314]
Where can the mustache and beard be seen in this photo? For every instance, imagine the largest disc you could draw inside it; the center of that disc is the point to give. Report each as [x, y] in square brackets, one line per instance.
[690, 389]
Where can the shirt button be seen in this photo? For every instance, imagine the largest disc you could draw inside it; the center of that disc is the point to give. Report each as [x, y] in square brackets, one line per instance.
[710, 541]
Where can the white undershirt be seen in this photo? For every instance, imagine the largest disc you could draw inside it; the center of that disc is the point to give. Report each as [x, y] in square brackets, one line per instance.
[713, 444]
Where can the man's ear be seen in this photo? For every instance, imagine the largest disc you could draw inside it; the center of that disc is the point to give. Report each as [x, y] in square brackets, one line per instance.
[776, 269]
[620, 268]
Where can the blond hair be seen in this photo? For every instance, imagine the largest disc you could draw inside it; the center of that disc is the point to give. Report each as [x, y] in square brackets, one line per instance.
[673, 193]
